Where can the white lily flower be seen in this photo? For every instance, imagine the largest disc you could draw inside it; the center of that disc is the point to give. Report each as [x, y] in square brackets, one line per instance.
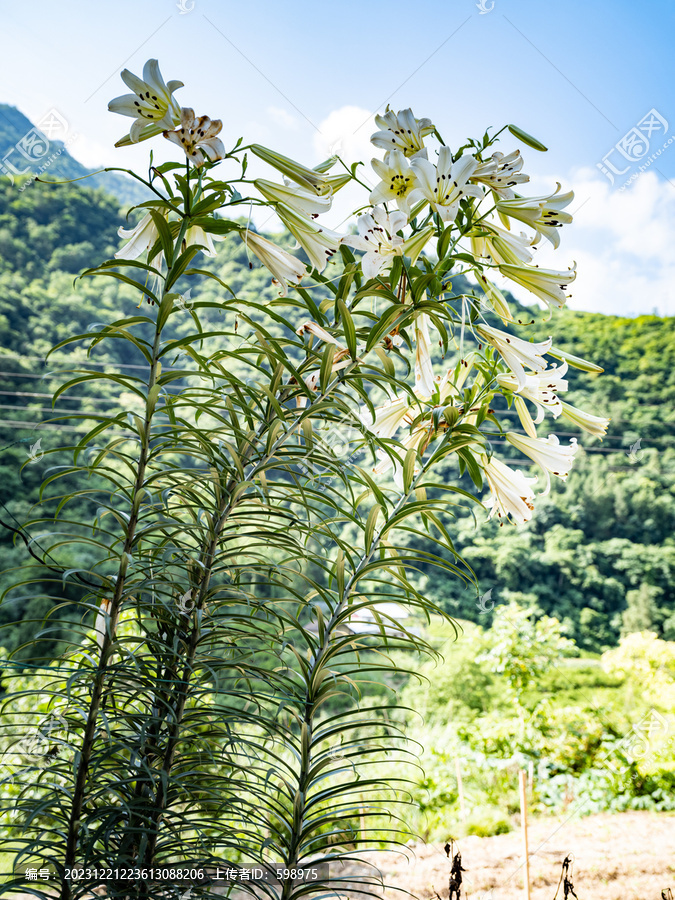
[494, 297]
[140, 238]
[304, 200]
[500, 173]
[283, 266]
[398, 180]
[315, 329]
[196, 235]
[511, 494]
[151, 105]
[547, 284]
[424, 370]
[544, 214]
[542, 389]
[401, 131]
[378, 239]
[197, 137]
[548, 453]
[318, 242]
[595, 425]
[102, 619]
[499, 246]
[516, 352]
[144, 235]
[389, 417]
[446, 183]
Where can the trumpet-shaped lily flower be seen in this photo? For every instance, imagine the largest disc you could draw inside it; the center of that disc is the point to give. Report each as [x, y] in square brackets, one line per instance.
[544, 214]
[304, 200]
[319, 243]
[102, 619]
[595, 425]
[389, 417]
[398, 180]
[401, 131]
[548, 453]
[501, 173]
[516, 352]
[496, 245]
[446, 183]
[283, 266]
[495, 298]
[424, 370]
[547, 284]
[511, 494]
[145, 235]
[196, 235]
[377, 237]
[541, 389]
[197, 137]
[140, 239]
[152, 104]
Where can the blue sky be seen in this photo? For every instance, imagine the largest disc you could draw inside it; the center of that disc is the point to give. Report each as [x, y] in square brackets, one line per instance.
[302, 75]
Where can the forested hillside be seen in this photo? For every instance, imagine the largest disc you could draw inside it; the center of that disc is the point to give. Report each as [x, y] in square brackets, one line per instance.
[599, 553]
[42, 150]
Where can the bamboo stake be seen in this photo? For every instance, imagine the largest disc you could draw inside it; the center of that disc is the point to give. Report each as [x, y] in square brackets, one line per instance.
[460, 788]
[522, 778]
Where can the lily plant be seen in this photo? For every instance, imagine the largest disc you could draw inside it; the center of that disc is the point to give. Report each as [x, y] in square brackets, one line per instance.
[289, 463]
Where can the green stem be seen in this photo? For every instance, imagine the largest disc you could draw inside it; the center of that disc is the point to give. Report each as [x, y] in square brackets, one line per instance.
[310, 701]
[90, 729]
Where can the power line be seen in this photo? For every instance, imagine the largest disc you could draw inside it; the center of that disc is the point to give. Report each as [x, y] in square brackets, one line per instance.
[43, 426]
[83, 362]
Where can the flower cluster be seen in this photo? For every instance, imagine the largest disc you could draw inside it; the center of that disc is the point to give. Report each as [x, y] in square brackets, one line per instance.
[465, 200]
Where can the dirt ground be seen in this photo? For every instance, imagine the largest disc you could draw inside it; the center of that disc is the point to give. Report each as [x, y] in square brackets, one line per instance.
[626, 856]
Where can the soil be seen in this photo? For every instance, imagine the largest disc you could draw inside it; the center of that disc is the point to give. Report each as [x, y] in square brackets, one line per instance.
[626, 856]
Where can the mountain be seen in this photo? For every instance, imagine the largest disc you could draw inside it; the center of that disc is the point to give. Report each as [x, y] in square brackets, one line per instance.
[26, 149]
[599, 553]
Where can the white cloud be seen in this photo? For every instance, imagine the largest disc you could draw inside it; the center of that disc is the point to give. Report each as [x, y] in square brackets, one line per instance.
[346, 132]
[622, 241]
[282, 118]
